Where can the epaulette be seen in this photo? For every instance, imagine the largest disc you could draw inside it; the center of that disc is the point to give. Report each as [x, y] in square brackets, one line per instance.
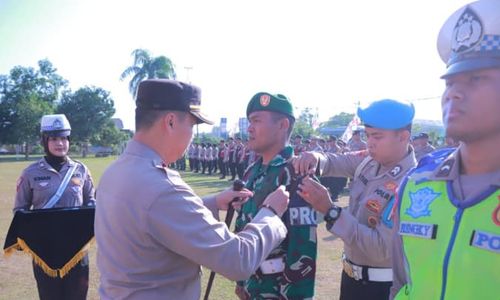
[432, 160]
[429, 163]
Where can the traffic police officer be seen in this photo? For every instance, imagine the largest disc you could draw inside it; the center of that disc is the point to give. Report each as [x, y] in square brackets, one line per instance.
[448, 238]
[152, 231]
[366, 226]
[37, 189]
[289, 271]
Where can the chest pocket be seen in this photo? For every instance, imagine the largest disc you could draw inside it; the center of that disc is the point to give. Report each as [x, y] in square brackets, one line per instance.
[41, 185]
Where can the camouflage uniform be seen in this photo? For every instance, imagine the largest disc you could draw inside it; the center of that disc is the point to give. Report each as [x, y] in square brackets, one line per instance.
[299, 249]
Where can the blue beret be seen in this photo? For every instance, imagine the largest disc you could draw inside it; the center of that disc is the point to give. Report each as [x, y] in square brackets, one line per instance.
[387, 114]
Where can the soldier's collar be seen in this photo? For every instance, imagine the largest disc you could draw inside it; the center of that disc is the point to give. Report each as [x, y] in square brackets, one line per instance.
[282, 157]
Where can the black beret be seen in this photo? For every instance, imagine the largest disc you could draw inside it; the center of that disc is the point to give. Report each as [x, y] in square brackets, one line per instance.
[166, 94]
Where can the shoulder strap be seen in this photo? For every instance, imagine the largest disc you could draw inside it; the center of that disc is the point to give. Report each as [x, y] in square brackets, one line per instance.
[361, 166]
[61, 188]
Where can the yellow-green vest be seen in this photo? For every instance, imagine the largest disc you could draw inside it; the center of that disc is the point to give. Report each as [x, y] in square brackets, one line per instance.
[451, 247]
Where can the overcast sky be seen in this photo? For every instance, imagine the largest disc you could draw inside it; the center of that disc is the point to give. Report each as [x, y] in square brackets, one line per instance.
[327, 55]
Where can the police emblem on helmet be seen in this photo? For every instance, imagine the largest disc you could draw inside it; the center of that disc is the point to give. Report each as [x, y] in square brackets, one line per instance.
[420, 202]
[57, 124]
[265, 100]
[468, 31]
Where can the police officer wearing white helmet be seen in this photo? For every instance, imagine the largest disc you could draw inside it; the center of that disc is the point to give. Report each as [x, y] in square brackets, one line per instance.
[448, 237]
[57, 181]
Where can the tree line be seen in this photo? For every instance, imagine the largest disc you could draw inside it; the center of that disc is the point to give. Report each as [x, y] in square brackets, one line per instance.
[27, 93]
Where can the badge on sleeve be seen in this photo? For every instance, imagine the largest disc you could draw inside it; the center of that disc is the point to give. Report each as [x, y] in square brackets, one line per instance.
[420, 202]
[19, 182]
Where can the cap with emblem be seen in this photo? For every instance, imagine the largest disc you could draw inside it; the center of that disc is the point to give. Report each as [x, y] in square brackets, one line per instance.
[470, 38]
[267, 102]
[421, 135]
[55, 125]
[387, 114]
[166, 94]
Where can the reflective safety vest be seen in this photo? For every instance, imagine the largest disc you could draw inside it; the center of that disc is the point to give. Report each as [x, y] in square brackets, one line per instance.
[451, 247]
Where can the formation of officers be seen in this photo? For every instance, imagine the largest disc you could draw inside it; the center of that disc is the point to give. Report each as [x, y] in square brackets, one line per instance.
[413, 229]
[233, 156]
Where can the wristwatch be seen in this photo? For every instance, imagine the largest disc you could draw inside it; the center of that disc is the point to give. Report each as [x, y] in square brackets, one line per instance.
[332, 215]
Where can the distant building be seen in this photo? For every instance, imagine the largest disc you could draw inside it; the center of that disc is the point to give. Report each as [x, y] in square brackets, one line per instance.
[118, 123]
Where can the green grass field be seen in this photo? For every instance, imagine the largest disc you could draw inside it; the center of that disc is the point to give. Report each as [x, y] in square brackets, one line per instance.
[16, 277]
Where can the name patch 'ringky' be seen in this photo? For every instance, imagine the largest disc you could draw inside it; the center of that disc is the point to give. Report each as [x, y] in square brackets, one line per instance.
[485, 240]
[302, 215]
[421, 230]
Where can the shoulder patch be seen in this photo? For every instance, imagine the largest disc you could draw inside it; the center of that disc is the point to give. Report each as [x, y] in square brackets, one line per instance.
[19, 182]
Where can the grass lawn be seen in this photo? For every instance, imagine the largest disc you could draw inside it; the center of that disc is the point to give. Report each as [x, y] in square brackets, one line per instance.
[16, 276]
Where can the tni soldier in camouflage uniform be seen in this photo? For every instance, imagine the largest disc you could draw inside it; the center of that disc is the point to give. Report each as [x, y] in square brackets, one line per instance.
[289, 271]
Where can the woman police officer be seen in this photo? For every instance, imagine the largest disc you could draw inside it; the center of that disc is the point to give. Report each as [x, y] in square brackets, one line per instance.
[57, 181]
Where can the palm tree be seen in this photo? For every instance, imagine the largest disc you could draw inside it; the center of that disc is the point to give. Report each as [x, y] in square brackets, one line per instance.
[147, 66]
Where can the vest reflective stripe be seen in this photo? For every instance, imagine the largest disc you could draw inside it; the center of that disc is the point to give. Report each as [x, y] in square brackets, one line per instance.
[461, 260]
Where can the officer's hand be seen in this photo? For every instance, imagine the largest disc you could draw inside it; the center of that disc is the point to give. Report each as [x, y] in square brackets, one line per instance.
[305, 163]
[315, 194]
[278, 200]
[225, 197]
[240, 292]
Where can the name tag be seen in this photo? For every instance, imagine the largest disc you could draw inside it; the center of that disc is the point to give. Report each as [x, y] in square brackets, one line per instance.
[421, 230]
[302, 215]
[485, 240]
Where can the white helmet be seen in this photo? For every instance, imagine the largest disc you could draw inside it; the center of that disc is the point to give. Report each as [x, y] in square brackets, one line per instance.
[55, 125]
[470, 38]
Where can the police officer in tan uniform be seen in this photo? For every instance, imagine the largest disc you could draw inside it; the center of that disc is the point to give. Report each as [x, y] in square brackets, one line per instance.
[422, 145]
[36, 189]
[366, 225]
[356, 143]
[153, 232]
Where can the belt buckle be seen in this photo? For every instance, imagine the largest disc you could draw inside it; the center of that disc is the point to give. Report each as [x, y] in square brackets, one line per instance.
[347, 268]
[355, 273]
